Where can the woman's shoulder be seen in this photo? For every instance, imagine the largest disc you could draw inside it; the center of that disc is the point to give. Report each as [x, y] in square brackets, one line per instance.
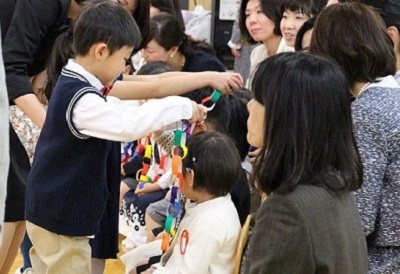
[203, 61]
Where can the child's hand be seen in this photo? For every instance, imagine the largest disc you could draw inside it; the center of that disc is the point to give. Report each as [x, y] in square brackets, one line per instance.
[199, 113]
[253, 155]
[147, 188]
[226, 82]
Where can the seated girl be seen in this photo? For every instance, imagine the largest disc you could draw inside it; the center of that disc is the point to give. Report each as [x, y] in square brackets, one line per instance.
[206, 239]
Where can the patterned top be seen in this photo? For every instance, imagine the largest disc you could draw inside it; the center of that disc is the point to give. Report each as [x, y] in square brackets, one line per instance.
[376, 118]
[27, 131]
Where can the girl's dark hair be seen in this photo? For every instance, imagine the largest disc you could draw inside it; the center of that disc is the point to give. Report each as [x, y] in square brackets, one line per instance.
[308, 25]
[60, 53]
[215, 161]
[271, 8]
[153, 68]
[238, 115]
[309, 7]
[171, 7]
[166, 30]
[229, 116]
[308, 133]
[355, 36]
[142, 18]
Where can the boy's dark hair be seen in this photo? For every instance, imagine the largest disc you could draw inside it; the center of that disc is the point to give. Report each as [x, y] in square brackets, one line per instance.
[169, 6]
[167, 31]
[156, 67]
[310, 8]
[308, 132]
[355, 36]
[106, 22]
[215, 161]
[271, 8]
[308, 25]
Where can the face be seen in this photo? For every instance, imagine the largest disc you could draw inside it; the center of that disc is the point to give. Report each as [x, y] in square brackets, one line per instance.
[305, 43]
[260, 27]
[154, 11]
[115, 64]
[290, 24]
[130, 5]
[255, 123]
[154, 52]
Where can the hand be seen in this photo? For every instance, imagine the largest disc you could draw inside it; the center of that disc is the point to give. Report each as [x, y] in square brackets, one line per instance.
[199, 113]
[226, 82]
[253, 155]
[235, 52]
[145, 189]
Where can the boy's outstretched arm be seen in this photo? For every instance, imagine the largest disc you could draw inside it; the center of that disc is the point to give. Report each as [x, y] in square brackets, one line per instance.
[174, 83]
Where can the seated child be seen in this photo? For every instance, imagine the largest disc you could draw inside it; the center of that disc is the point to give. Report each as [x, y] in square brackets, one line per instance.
[206, 239]
[229, 116]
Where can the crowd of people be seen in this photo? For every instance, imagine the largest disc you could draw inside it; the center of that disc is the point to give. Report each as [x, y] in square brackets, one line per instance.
[115, 121]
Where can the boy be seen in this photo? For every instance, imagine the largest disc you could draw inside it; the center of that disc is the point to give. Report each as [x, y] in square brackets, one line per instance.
[69, 174]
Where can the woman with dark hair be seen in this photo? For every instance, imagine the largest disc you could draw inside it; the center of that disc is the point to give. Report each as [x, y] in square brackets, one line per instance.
[170, 44]
[308, 167]
[356, 37]
[259, 21]
[168, 6]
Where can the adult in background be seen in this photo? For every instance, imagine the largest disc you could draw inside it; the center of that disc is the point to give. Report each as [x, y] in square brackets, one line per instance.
[170, 44]
[4, 145]
[356, 37]
[308, 166]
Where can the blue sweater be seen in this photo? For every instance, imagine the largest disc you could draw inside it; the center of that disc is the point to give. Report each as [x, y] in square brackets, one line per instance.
[67, 186]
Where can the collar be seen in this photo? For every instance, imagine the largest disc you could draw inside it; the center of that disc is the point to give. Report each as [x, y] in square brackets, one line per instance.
[385, 82]
[213, 203]
[283, 47]
[93, 80]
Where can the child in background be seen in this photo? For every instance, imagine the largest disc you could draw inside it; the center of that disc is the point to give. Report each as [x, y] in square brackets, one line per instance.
[69, 175]
[207, 235]
[295, 13]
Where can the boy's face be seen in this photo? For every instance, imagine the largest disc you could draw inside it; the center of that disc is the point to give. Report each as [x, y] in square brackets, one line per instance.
[290, 24]
[111, 66]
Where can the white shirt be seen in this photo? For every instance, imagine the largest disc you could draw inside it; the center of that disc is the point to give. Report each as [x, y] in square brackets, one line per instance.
[260, 53]
[213, 230]
[113, 120]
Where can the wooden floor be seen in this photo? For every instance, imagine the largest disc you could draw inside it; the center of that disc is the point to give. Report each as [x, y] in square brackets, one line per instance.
[112, 266]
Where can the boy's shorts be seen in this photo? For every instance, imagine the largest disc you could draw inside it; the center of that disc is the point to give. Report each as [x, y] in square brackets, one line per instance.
[130, 182]
[158, 211]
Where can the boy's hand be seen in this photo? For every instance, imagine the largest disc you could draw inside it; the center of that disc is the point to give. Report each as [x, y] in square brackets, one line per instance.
[226, 82]
[199, 113]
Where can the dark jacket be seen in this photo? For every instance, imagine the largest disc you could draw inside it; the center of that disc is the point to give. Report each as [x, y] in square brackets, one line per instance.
[309, 230]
